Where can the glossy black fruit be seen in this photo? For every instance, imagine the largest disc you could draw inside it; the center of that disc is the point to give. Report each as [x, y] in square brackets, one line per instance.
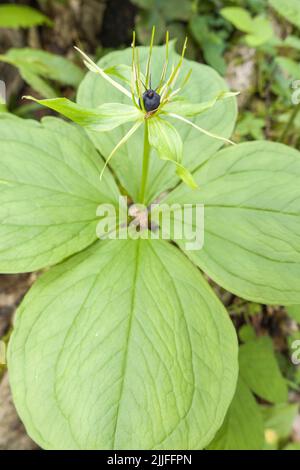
[151, 100]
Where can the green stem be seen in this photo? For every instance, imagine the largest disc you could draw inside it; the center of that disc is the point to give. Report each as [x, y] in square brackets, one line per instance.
[290, 123]
[145, 169]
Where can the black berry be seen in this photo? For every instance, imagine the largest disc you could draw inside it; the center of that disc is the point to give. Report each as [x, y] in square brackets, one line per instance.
[151, 100]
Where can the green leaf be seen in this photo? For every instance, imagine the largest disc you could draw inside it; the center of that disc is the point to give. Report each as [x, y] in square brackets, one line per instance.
[291, 41]
[204, 84]
[168, 144]
[186, 176]
[291, 67]
[239, 17]
[102, 119]
[280, 418]
[158, 373]
[260, 371]
[247, 333]
[185, 108]
[292, 446]
[50, 191]
[243, 425]
[214, 55]
[289, 9]
[294, 312]
[21, 16]
[251, 197]
[262, 32]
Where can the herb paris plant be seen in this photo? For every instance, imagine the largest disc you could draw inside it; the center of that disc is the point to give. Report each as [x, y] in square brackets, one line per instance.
[123, 344]
[150, 108]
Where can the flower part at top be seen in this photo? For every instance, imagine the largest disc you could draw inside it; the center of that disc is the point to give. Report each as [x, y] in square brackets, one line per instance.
[151, 107]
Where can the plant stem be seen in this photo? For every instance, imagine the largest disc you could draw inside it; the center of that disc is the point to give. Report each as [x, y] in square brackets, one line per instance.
[290, 123]
[145, 169]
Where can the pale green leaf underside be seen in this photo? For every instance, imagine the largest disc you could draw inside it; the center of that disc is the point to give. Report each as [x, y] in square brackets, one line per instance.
[251, 194]
[243, 427]
[123, 346]
[185, 108]
[49, 192]
[203, 85]
[260, 371]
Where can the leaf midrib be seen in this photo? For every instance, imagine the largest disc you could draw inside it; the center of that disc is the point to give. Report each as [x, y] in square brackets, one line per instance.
[129, 331]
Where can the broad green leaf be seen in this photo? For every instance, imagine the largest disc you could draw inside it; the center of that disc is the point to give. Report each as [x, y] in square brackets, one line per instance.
[239, 17]
[50, 191]
[37, 67]
[260, 371]
[102, 119]
[289, 9]
[294, 312]
[186, 176]
[243, 425]
[280, 418]
[204, 84]
[103, 357]
[144, 24]
[258, 29]
[213, 52]
[251, 196]
[123, 72]
[249, 125]
[291, 67]
[21, 16]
